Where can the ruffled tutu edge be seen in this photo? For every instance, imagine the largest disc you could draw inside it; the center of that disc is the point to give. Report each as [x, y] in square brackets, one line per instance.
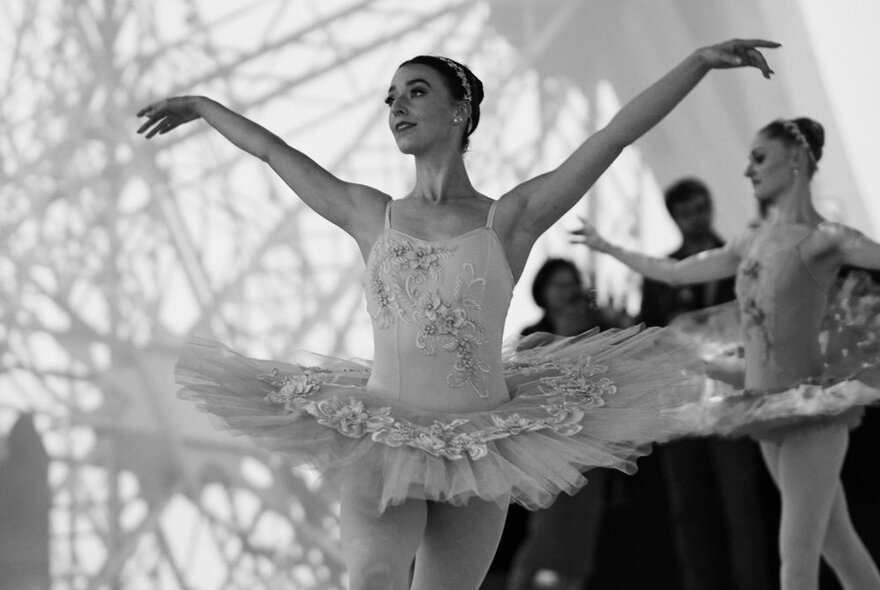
[727, 411]
[594, 400]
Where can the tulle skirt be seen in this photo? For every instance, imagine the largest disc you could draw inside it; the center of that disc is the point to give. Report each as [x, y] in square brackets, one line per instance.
[850, 379]
[594, 400]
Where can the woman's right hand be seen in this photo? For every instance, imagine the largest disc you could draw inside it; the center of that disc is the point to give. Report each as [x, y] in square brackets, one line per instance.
[165, 115]
[589, 237]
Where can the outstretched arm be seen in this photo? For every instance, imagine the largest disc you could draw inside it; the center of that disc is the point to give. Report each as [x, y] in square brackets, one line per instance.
[711, 265]
[345, 204]
[541, 201]
[858, 250]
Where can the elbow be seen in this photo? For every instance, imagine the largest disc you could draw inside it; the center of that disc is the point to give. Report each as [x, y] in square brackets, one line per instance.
[619, 134]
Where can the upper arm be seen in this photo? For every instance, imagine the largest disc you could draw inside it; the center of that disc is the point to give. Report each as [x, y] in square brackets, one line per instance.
[711, 265]
[549, 196]
[541, 201]
[855, 248]
[355, 208]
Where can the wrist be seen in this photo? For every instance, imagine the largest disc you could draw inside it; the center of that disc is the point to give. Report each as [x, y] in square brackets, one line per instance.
[196, 104]
[607, 247]
[700, 59]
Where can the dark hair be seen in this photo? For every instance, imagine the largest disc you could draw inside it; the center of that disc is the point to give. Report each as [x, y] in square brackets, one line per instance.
[547, 270]
[449, 70]
[684, 190]
[812, 131]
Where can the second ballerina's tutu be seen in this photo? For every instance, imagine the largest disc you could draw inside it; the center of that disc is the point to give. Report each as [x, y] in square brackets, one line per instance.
[849, 342]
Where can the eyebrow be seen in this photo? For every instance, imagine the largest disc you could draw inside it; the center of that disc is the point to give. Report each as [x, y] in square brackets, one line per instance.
[414, 81]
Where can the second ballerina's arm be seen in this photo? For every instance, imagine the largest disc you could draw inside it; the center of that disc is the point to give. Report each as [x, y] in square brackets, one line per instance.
[711, 265]
[854, 248]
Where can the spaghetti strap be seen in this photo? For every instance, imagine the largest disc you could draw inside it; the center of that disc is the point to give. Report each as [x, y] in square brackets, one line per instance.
[823, 288]
[491, 216]
[388, 214]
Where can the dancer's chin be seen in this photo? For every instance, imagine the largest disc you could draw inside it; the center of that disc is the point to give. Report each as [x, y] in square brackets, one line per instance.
[764, 198]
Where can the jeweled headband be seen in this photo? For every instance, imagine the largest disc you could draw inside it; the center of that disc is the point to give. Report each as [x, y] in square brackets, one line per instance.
[462, 76]
[794, 130]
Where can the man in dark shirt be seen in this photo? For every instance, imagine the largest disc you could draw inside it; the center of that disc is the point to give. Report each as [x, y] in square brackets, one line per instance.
[717, 499]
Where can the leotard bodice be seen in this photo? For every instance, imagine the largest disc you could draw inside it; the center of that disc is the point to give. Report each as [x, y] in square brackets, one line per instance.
[782, 288]
[438, 310]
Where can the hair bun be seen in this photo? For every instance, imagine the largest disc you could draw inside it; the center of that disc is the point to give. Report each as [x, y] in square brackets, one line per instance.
[815, 134]
[477, 89]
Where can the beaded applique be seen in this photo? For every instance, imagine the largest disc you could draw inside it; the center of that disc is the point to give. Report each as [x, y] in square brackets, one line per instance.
[403, 284]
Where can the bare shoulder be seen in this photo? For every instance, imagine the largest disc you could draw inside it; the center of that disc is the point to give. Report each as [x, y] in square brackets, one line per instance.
[368, 200]
[837, 233]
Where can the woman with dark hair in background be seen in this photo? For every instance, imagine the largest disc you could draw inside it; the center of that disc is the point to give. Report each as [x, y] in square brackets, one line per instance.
[560, 544]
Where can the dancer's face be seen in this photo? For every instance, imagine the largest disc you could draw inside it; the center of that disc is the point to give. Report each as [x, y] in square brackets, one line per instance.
[421, 110]
[771, 163]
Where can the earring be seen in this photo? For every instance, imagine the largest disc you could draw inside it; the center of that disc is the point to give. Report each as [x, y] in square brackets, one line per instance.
[795, 171]
[456, 121]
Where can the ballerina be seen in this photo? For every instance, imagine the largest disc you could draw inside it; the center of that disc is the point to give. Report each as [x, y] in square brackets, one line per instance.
[434, 438]
[798, 402]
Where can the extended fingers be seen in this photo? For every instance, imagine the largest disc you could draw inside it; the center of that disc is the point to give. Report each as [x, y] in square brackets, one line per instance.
[164, 126]
[152, 110]
[756, 59]
[759, 43]
[744, 52]
[158, 124]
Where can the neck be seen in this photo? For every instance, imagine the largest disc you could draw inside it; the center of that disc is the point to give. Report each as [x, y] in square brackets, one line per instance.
[441, 178]
[795, 205]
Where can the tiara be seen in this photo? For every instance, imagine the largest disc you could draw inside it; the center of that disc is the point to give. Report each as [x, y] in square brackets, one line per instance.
[462, 76]
[794, 130]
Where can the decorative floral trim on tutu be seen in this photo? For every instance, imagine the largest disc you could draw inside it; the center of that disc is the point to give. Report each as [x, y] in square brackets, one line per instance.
[594, 400]
[568, 395]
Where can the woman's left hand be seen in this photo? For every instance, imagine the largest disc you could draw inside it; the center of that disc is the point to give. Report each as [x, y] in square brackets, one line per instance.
[165, 115]
[589, 237]
[738, 53]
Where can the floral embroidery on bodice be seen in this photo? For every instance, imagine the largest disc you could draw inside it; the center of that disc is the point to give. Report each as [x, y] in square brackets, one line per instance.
[782, 302]
[397, 278]
[753, 315]
[431, 293]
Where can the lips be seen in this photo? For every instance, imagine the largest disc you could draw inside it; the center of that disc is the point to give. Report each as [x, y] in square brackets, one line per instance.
[403, 126]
